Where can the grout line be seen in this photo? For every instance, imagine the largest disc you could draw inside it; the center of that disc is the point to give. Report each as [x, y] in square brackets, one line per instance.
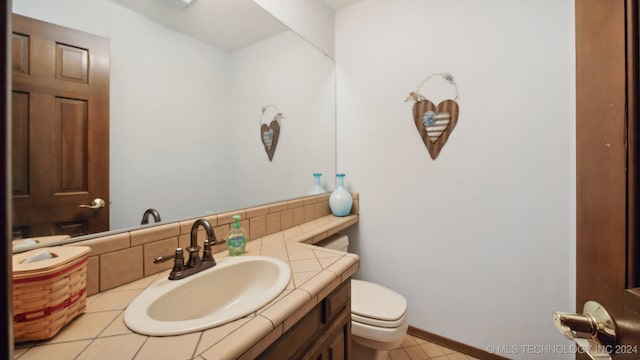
[415, 343]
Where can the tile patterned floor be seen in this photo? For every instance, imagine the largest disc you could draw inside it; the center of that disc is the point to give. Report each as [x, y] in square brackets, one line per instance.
[413, 348]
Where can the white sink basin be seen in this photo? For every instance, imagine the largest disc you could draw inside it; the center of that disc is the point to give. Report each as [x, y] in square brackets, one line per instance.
[234, 288]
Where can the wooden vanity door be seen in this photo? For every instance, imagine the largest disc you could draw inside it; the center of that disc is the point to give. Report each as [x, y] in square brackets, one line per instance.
[60, 129]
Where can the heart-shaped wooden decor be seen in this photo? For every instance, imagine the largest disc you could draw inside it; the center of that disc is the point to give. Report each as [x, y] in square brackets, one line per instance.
[269, 135]
[435, 123]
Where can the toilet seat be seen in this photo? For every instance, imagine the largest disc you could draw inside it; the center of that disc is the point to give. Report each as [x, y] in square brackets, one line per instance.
[376, 305]
[378, 337]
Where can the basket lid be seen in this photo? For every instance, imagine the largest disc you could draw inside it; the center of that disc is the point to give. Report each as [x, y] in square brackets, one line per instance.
[62, 255]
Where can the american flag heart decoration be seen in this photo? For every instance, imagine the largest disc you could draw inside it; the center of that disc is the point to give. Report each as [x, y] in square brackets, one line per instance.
[270, 133]
[434, 123]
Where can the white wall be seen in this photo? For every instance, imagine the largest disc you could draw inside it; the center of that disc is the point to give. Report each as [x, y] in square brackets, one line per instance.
[279, 72]
[312, 19]
[481, 240]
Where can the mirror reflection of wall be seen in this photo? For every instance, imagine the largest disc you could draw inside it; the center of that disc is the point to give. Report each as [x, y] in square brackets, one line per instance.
[184, 115]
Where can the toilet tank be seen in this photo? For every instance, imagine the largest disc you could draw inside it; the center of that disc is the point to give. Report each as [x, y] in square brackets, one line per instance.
[335, 242]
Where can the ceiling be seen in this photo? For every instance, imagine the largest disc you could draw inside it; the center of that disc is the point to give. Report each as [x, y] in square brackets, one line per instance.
[340, 4]
[215, 21]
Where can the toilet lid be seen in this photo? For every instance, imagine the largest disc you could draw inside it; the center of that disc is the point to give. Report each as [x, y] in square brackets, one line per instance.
[376, 305]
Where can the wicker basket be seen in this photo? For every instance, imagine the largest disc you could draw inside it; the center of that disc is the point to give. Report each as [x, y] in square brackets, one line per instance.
[48, 294]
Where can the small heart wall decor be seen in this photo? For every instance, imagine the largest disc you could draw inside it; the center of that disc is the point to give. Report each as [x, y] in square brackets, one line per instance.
[435, 123]
[269, 134]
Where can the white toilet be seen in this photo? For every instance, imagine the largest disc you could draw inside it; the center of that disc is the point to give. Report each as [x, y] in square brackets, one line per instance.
[378, 314]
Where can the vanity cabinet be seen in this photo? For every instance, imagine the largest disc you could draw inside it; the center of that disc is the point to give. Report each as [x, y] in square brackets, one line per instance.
[324, 333]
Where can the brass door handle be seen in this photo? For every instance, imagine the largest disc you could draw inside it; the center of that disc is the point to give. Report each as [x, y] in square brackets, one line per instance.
[95, 204]
[594, 331]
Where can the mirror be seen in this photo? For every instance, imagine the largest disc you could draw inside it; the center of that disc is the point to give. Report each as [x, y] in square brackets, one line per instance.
[185, 116]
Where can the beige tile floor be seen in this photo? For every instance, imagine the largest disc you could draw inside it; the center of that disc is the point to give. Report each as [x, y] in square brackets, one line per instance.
[413, 348]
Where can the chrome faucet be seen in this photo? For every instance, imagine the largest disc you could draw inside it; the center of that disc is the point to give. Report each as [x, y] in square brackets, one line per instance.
[152, 212]
[194, 263]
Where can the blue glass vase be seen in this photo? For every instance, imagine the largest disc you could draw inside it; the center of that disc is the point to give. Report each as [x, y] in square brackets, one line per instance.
[317, 188]
[340, 200]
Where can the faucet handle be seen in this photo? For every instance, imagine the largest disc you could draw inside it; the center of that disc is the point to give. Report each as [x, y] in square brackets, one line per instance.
[163, 258]
[178, 260]
[207, 255]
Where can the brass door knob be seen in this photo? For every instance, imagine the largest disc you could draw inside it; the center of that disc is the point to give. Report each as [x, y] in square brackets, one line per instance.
[594, 331]
[95, 204]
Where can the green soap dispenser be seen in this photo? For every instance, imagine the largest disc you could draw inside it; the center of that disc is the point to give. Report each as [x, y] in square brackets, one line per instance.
[236, 240]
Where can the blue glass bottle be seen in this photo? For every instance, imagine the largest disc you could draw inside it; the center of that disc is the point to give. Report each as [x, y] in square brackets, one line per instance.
[317, 188]
[340, 200]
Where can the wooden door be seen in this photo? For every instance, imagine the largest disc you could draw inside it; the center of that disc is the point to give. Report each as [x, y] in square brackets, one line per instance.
[60, 129]
[608, 266]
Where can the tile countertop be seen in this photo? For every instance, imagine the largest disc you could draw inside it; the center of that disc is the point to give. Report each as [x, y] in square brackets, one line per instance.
[101, 333]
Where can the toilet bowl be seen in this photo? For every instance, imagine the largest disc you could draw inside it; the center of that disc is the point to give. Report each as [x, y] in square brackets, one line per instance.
[378, 314]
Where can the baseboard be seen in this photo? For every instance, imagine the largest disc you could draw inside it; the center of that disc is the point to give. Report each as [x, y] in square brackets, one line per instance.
[453, 345]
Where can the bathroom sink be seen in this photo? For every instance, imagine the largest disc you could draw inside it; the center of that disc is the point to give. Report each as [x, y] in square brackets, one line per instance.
[234, 288]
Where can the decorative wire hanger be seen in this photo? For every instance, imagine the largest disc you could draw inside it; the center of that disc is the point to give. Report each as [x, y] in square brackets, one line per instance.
[277, 117]
[416, 96]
